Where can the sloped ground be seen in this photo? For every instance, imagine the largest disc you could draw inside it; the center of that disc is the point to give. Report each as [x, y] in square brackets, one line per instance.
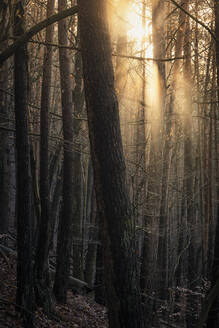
[80, 312]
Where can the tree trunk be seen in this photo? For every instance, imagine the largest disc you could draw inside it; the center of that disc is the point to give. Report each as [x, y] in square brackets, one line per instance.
[65, 224]
[122, 286]
[90, 270]
[25, 295]
[168, 139]
[4, 151]
[187, 219]
[213, 316]
[42, 279]
[78, 100]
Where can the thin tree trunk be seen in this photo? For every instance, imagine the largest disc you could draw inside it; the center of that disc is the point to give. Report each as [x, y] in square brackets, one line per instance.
[213, 317]
[90, 271]
[55, 206]
[149, 276]
[64, 245]
[163, 224]
[42, 279]
[4, 150]
[187, 219]
[78, 100]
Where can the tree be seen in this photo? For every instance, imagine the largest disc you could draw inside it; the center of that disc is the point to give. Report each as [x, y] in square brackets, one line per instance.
[4, 154]
[27, 35]
[169, 128]
[25, 294]
[213, 317]
[148, 278]
[64, 245]
[122, 290]
[42, 279]
[78, 100]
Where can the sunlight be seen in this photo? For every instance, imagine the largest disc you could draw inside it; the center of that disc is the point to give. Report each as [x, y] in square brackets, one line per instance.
[136, 32]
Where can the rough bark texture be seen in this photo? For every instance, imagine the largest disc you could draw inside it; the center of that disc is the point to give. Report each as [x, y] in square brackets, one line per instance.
[65, 225]
[24, 297]
[122, 291]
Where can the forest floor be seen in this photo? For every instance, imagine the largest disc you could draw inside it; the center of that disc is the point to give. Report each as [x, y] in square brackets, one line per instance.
[79, 312]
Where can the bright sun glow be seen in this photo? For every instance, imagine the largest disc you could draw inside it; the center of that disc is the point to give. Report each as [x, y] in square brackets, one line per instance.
[136, 32]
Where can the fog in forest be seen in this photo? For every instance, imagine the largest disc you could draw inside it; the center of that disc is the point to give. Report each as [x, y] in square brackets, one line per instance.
[109, 162]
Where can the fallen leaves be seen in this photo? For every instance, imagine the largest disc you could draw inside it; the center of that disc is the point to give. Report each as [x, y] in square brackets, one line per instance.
[79, 312]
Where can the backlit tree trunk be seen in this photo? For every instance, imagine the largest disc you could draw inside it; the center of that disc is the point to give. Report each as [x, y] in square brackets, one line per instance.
[149, 265]
[122, 290]
[163, 269]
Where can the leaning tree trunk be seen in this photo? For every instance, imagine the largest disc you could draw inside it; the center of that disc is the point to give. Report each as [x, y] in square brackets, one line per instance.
[65, 225]
[42, 279]
[25, 296]
[122, 290]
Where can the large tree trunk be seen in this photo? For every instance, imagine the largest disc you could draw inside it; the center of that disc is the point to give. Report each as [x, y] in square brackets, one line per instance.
[65, 225]
[122, 290]
[42, 280]
[25, 296]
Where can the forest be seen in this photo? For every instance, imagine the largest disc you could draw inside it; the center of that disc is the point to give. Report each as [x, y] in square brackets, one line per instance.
[109, 166]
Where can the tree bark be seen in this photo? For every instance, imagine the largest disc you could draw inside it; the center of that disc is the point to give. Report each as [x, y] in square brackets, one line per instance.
[65, 224]
[42, 279]
[25, 295]
[122, 286]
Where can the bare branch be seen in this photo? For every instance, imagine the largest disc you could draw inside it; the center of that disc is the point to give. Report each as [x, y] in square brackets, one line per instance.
[195, 19]
[36, 29]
